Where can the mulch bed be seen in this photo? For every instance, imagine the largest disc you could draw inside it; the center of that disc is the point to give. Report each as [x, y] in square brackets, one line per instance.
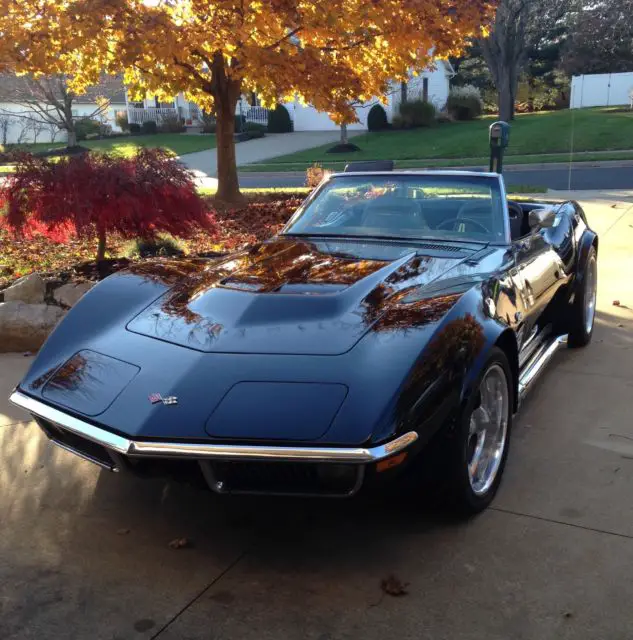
[261, 217]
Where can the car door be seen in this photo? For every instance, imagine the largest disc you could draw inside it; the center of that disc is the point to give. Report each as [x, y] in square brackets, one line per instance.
[541, 271]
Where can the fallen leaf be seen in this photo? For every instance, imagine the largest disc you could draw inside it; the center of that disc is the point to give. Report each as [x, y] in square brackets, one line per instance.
[620, 324]
[568, 614]
[616, 303]
[122, 532]
[394, 587]
[180, 543]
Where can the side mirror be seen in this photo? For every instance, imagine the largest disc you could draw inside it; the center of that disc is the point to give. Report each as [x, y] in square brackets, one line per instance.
[541, 218]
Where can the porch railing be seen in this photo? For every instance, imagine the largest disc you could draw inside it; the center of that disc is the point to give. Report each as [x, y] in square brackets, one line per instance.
[257, 114]
[157, 114]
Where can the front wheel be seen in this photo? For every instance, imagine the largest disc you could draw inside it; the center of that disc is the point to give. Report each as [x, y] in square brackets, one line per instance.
[583, 310]
[479, 448]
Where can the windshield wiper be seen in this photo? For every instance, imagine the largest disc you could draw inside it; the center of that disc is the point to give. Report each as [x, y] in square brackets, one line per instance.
[433, 239]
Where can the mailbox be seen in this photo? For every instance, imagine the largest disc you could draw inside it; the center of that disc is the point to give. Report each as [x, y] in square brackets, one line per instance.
[499, 138]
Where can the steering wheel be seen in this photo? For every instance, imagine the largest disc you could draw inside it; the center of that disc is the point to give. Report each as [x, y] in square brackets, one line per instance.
[457, 220]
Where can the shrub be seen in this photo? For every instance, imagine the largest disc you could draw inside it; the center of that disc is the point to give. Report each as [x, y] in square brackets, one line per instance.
[465, 103]
[172, 124]
[254, 126]
[105, 129]
[164, 245]
[208, 123]
[91, 195]
[377, 118]
[397, 122]
[249, 135]
[279, 120]
[121, 120]
[239, 124]
[417, 113]
[86, 127]
[315, 174]
[149, 127]
[135, 128]
[444, 116]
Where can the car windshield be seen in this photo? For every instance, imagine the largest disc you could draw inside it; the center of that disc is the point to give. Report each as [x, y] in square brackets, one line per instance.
[420, 206]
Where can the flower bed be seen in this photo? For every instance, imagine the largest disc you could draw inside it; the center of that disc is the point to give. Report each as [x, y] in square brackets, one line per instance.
[261, 217]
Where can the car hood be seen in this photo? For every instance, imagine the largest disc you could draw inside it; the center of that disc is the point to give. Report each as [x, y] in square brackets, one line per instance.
[293, 296]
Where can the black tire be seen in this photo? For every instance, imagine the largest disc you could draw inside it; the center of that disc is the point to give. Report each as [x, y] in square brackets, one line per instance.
[462, 497]
[579, 331]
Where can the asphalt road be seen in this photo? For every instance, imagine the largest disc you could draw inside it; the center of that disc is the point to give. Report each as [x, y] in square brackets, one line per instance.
[552, 178]
[84, 553]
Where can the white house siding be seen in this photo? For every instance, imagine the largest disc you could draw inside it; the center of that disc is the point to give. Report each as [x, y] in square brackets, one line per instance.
[307, 118]
[18, 124]
[601, 90]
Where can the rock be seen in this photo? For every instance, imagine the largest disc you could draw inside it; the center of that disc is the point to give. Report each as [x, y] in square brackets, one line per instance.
[24, 327]
[30, 289]
[68, 294]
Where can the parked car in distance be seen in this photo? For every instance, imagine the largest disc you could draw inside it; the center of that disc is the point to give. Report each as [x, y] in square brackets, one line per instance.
[395, 310]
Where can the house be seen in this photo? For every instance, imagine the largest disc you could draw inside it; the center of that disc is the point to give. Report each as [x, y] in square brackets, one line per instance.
[431, 85]
[22, 118]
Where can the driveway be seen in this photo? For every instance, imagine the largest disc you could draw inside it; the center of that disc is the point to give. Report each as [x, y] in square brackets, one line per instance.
[84, 554]
[204, 163]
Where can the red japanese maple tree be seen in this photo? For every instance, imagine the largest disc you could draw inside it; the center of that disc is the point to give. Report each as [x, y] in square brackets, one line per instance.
[92, 195]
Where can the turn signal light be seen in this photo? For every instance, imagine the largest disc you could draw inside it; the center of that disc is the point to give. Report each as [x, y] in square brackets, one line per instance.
[392, 462]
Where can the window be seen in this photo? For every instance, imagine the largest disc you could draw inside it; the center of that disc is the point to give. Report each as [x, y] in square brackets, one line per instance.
[452, 207]
[425, 89]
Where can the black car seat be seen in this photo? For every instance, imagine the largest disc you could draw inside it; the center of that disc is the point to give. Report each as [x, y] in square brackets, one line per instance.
[394, 213]
[516, 220]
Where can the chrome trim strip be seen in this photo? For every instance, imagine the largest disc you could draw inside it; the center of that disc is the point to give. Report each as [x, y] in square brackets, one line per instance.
[165, 449]
[537, 363]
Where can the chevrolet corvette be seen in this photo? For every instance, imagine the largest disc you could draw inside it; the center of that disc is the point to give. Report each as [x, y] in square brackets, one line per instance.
[394, 310]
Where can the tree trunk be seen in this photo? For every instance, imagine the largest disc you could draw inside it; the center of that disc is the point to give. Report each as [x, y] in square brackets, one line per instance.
[101, 247]
[72, 138]
[403, 92]
[506, 93]
[344, 139]
[226, 92]
[228, 183]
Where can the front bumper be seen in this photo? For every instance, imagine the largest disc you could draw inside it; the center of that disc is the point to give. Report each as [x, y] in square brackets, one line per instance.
[115, 452]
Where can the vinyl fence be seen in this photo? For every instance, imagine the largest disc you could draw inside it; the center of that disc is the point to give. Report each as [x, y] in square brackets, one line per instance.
[601, 90]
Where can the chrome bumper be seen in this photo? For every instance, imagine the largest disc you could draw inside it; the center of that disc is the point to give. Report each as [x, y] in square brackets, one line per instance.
[202, 450]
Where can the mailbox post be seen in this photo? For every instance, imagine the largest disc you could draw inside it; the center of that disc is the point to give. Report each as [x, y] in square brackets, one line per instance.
[499, 135]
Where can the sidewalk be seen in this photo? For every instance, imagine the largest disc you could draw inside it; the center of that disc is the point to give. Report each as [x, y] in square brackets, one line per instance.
[204, 163]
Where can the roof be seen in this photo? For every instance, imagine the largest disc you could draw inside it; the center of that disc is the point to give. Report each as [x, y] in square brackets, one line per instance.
[111, 87]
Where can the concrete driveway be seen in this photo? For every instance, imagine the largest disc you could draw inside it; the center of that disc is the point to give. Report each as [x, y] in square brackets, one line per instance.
[84, 554]
[204, 163]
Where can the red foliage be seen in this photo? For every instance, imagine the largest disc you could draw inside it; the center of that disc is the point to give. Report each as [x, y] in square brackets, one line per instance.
[91, 195]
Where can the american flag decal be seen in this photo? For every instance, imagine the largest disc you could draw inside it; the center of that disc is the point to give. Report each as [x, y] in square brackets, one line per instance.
[155, 398]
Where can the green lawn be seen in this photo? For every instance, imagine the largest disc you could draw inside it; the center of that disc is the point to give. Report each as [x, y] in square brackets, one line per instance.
[178, 143]
[603, 129]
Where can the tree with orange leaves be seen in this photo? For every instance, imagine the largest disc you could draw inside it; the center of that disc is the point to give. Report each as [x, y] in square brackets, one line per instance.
[327, 54]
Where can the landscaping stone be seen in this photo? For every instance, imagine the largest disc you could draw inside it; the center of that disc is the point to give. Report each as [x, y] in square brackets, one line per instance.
[24, 327]
[69, 294]
[30, 289]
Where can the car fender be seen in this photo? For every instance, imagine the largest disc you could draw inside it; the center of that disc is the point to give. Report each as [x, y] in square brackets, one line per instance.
[450, 363]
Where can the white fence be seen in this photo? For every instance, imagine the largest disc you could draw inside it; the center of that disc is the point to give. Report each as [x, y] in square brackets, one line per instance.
[601, 90]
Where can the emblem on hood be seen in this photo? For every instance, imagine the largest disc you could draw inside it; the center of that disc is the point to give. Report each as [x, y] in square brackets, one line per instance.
[155, 398]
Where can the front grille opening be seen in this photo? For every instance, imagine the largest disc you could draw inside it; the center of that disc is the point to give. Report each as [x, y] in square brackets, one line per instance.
[300, 478]
[81, 446]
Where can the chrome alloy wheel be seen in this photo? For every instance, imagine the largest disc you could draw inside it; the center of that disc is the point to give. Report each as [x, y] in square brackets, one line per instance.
[488, 430]
[591, 281]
